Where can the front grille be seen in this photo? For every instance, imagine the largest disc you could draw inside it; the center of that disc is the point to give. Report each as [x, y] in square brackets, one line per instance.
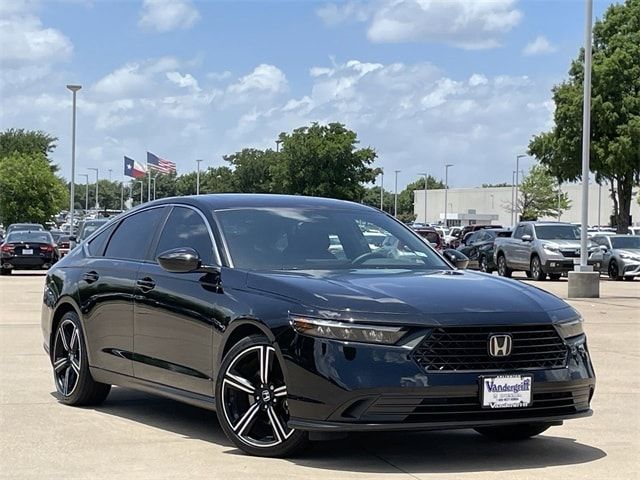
[466, 348]
[570, 253]
[408, 409]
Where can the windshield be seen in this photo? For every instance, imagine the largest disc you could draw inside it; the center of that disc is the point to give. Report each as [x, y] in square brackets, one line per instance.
[558, 232]
[321, 239]
[629, 241]
[32, 237]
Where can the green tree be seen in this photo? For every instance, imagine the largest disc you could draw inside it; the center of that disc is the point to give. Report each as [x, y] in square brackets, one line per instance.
[252, 170]
[219, 180]
[29, 190]
[28, 142]
[615, 111]
[540, 195]
[495, 185]
[323, 160]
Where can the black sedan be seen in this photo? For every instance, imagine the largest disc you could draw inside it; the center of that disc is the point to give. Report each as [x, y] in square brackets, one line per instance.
[25, 250]
[238, 304]
[478, 247]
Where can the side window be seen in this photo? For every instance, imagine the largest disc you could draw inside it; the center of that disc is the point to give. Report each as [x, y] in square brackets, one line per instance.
[528, 230]
[519, 231]
[96, 245]
[186, 228]
[133, 236]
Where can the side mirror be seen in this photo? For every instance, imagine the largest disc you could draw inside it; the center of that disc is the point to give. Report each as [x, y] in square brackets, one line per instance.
[459, 259]
[603, 248]
[526, 238]
[180, 260]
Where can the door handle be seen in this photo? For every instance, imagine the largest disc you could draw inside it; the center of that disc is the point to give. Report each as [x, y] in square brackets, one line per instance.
[146, 284]
[91, 277]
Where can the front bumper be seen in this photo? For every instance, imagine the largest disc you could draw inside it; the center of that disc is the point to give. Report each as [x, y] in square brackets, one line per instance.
[630, 268]
[336, 386]
[565, 265]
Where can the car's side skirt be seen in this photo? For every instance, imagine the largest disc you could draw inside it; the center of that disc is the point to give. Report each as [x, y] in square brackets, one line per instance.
[113, 378]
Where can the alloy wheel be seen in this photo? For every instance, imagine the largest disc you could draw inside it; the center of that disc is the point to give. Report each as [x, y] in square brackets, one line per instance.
[483, 265]
[614, 272]
[67, 355]
[254, 398]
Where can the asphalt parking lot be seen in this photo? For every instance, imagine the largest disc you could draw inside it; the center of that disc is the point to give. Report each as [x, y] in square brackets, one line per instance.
[135, 435]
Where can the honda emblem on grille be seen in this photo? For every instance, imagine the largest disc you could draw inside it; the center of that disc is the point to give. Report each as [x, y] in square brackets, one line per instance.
[500, 345]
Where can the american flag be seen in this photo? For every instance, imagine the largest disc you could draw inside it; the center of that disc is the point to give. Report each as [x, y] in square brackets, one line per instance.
[160, 164]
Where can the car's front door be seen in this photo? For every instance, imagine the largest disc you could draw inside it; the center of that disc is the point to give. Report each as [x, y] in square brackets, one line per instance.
[107, 286]
[176, 313]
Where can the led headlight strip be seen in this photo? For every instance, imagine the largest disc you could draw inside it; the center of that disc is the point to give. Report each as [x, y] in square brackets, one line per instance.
[346, 331]
[570, 329]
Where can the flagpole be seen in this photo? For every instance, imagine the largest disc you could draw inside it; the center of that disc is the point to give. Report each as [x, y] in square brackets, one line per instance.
[122, 196]
[149, 184]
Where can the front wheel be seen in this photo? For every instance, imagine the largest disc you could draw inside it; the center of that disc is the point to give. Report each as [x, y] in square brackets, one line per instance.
[536, 269]
[251, 400]
[484, 264]
[513, 432]
[614, 271]
[503, 270]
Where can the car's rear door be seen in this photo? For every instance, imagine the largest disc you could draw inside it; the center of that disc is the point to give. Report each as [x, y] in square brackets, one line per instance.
[176, 313]
[107, 286]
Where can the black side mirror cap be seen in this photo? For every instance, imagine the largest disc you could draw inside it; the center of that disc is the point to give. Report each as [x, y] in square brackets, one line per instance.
[184, 260]
[457, 258]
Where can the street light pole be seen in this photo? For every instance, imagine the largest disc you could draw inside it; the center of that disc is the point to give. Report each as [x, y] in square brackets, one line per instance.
[395, 200]
[198, 177]
[518, 157]
[86, 189]
[382, 190]
[513, 205]
[122, 196]
[74, 89]
[141, 189]
[97, 203]
[110, 170]
[599, 204]
[154, 186]
[425, 196]
[446, 190]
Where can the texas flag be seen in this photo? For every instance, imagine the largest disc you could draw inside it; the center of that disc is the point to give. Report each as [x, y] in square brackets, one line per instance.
[134, 169]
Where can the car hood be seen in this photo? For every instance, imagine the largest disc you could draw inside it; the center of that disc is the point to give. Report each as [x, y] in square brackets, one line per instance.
[627, 251]
[417, 295]
[569, 243]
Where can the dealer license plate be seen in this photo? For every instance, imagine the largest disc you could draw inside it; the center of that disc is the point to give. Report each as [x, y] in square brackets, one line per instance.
[27, 251]
[506, 391]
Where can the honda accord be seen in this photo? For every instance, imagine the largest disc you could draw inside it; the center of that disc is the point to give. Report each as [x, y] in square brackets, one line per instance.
[236, 303]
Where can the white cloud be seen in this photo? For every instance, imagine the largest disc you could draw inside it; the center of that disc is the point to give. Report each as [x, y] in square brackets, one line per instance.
[125, 81]
[167, 15]
[183, 81]
[477, 79]
[469, 24]
[539, 46]
[265, 78]
[24, 40]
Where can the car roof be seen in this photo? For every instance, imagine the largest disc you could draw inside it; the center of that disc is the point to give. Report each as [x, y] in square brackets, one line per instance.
[224, 201]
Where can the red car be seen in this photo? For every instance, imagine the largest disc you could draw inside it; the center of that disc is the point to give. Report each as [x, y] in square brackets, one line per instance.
[431, 235]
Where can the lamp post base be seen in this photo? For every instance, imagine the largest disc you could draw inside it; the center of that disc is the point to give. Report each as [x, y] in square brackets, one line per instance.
[585, 284]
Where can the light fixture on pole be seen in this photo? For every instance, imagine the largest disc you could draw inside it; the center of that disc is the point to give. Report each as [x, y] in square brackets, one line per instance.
[446, 190]
[74, 89]
[97, 203]
[518, 157]
[86, 189]
[395, 200]
[198, 177]
[425, 196]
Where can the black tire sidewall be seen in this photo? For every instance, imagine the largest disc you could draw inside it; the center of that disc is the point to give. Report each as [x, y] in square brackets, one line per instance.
[293, 444]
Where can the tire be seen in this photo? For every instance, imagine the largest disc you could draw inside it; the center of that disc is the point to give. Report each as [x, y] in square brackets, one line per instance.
[513, 432]
[536, 269]
[251, 401]
[71, 374]
[527, 273]
[503, 269]
[614, 271]
[555, 276]
[483, 264]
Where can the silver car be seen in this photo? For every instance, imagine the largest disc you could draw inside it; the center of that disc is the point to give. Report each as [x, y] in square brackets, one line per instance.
[619, 255]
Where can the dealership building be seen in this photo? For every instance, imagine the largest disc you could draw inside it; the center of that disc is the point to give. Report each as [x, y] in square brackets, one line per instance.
[469, 206]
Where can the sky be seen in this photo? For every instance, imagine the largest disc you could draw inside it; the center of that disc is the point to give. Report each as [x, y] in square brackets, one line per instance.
[423, 82]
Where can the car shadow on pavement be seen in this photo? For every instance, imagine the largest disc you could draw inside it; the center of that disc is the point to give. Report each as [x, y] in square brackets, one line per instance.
[456, 451]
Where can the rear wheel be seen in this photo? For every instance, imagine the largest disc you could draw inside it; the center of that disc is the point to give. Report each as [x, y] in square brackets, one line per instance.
[614, 271]
[71, 373]
[503, 270]
[251, 400]
[536, 269]
[484, 264]
[513, 432]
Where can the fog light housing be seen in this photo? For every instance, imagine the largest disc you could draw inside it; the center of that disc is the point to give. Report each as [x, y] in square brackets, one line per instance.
[347, 331]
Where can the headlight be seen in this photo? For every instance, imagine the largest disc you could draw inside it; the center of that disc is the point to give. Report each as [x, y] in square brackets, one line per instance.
[569, 329]
[551, 248]
[629, 257]
[347, 331]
